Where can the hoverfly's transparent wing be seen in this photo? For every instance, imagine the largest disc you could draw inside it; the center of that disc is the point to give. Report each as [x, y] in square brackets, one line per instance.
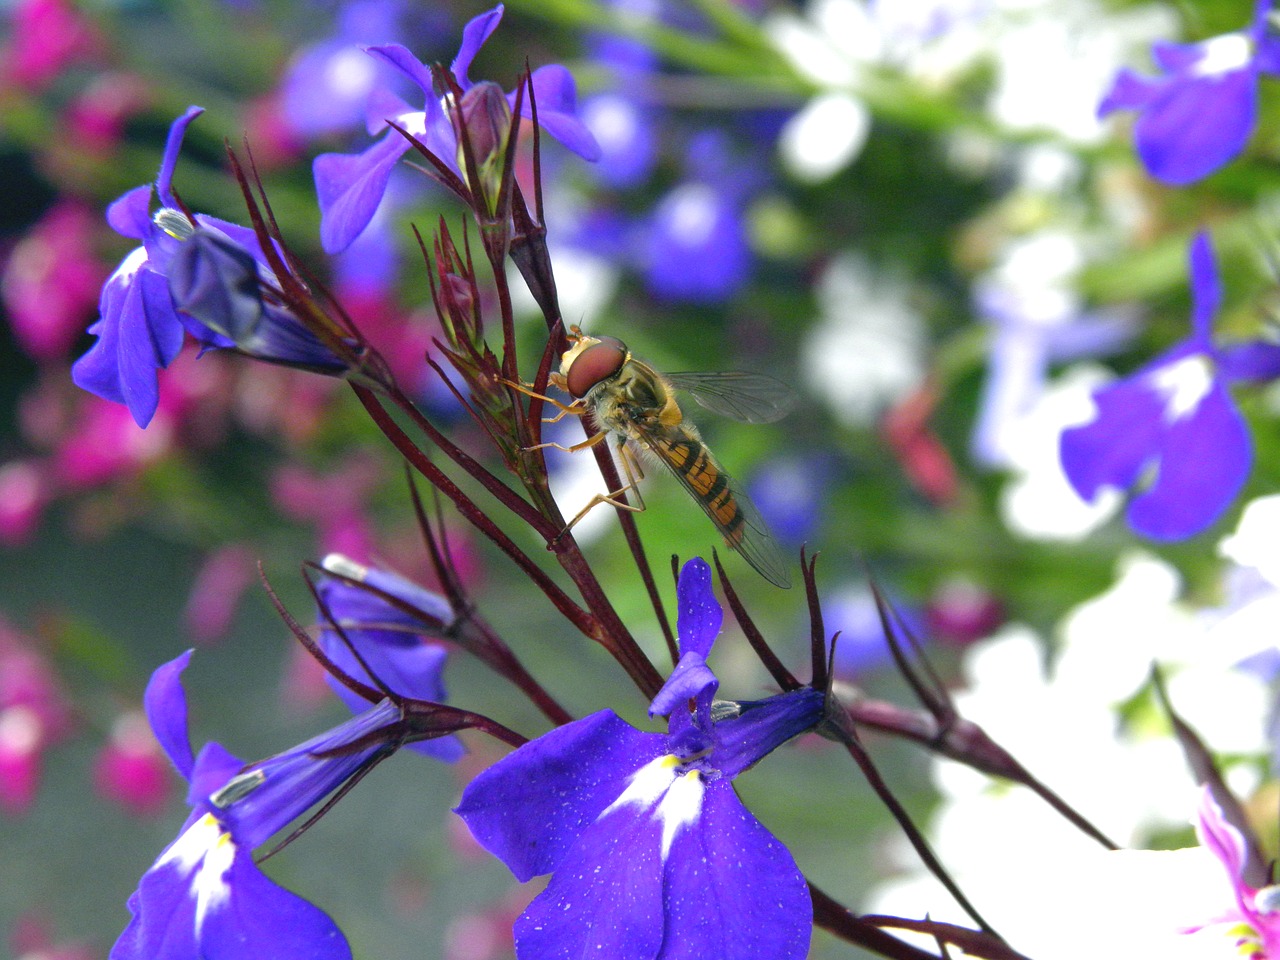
[735, 516]
[747, 397]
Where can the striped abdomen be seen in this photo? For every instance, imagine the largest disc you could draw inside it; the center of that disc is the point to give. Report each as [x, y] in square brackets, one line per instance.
[692, 463]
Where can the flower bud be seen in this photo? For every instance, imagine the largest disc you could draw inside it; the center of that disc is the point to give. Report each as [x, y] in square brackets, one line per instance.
[486, 119]
[485, 123]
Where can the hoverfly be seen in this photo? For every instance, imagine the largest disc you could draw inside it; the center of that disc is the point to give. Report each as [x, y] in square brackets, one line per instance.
[631, 401]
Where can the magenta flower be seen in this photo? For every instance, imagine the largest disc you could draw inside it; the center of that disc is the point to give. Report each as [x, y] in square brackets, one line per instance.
[51, 282]
[46, 37]
[1254, 922]
[130, 769]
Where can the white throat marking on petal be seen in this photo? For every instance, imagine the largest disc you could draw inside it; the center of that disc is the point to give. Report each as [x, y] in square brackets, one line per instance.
[1183, 385]
[414, 124]
[130, 264]
[675, 800]
[680, 807]
[647, 785]
[193, 845]
[1231, 51]
[210, 885]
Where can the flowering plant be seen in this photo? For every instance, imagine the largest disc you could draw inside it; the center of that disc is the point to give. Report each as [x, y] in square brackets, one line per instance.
[438, 352]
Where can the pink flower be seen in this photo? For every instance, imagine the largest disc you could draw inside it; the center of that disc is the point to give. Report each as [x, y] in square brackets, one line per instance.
[1254, 923]
[131, 770]
[46, 37]
[106, 445]
[215, 595]
[94, 121]
[33, 715]
[51, 281]
[23, 495]
[21, 743]
[334, 503]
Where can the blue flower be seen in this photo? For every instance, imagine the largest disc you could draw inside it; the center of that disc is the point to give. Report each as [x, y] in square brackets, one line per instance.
[349, 187]
[621, 118]
[388, 625]
[696, 249]
[650, 851]
[204, 897]
[204, 277]
[327, 85]
[1030, 331]
[1170, 431]
[1200, 112]
[139, 330]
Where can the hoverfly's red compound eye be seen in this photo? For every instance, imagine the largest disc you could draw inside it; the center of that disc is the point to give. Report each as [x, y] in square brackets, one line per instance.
[597, 363]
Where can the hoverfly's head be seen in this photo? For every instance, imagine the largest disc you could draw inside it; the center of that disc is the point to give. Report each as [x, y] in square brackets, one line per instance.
[591, 360]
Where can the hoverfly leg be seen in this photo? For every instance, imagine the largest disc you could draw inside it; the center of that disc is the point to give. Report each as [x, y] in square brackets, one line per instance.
[634, 473]
[575, 408]
[591, 441]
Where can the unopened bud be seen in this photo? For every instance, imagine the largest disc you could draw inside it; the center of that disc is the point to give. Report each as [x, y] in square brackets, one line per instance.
[486, 120]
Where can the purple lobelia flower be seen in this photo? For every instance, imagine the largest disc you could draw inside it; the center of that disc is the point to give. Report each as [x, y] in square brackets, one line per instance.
[204, 896]
[326, 88]
[202, 276]
[1200, 112]
[650, 851]
[388, 625]
[349, 187]
[696, 248]
[1171, 430]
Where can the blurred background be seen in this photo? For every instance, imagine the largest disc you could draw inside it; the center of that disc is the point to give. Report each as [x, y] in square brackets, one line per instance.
[909, 211]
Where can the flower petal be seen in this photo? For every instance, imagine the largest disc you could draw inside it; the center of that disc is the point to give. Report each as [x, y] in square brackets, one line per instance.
[260, 918]
[699, 616]
[529, 808]
[692, 679]
[403, 60]
[605, 899]
[1253, 362]
[130, 214]
[1194, 126]
[474, 34]
[1204, 461]
[349, 188]
[1218, 836]
[1206, 290]
[1114, 448]
[137, 333]
[1129, 91]
[165, 703]
[172, 147]
[557, 100]
[205, 897]
[731, 883]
